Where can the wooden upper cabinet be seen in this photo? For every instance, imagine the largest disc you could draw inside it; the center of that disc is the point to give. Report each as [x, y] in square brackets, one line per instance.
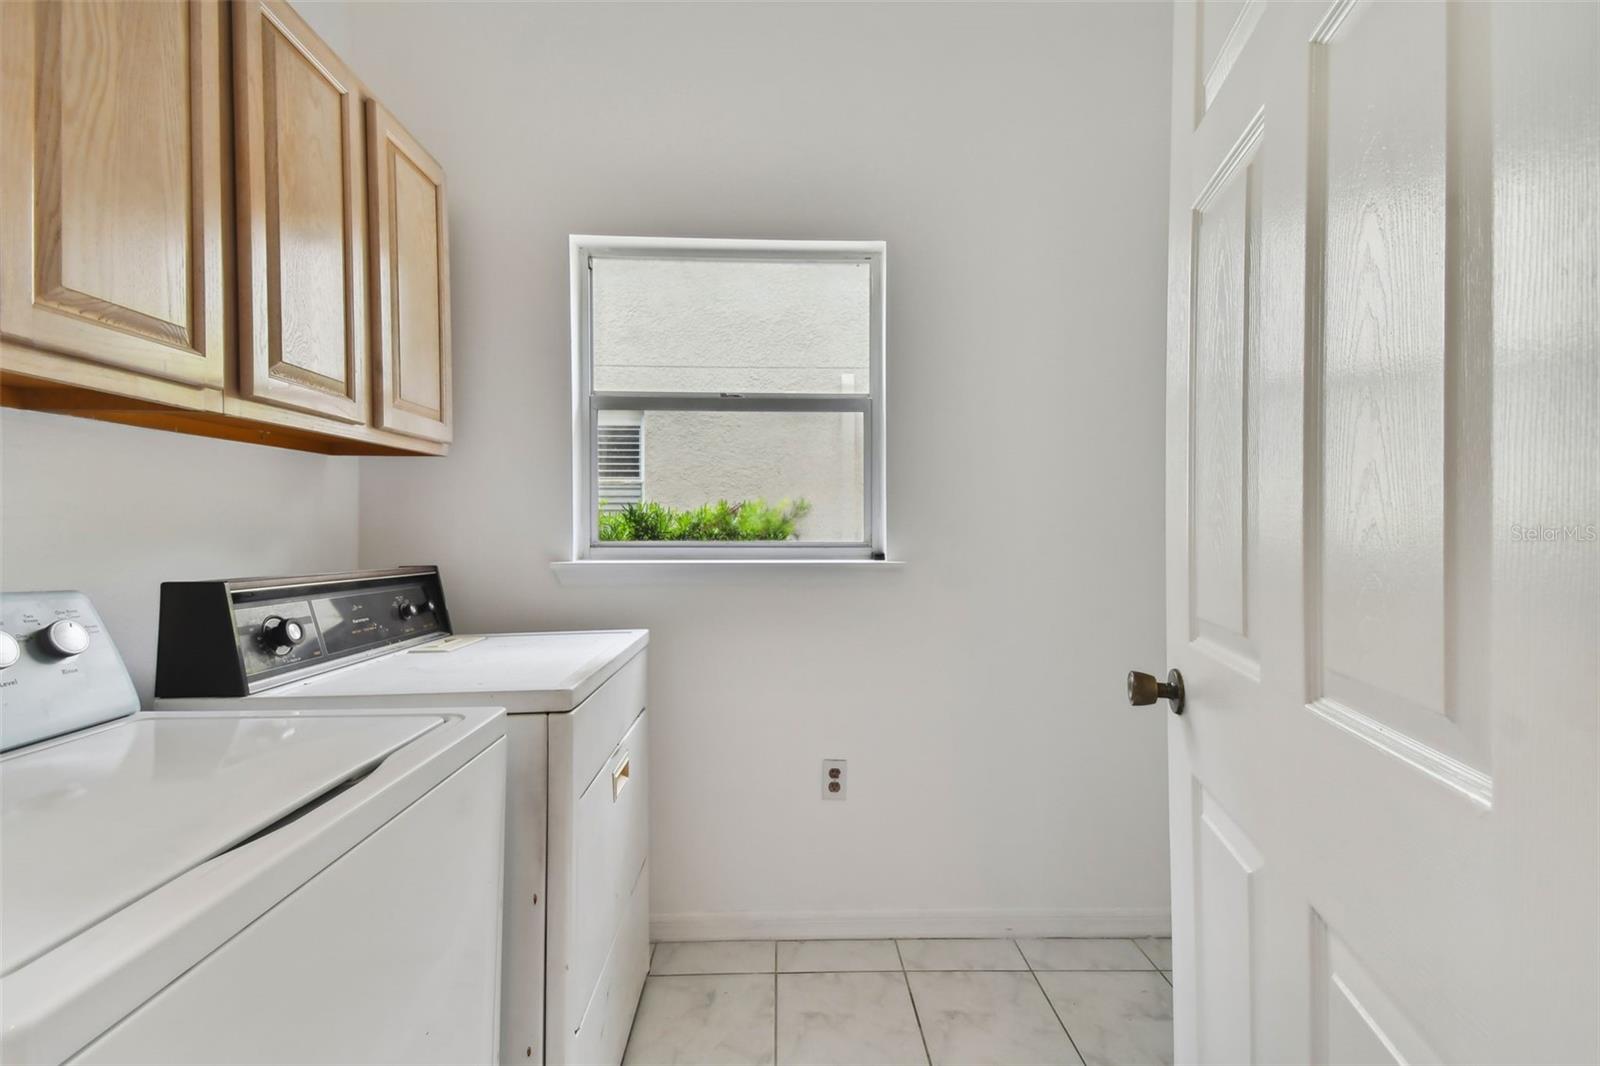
[302, 218]
[111, 185]
[297, 293]
[410, 282]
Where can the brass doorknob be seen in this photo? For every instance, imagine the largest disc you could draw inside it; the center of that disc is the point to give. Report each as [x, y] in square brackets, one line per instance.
[1143, 689]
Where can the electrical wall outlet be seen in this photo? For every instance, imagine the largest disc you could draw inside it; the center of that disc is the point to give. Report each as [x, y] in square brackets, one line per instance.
[834, 779]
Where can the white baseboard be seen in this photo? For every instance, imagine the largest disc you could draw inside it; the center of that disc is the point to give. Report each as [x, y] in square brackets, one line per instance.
[854, 925]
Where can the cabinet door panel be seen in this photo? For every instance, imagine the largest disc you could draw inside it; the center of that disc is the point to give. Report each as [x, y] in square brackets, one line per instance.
[411, 281]
[301, 224]
[112, 180]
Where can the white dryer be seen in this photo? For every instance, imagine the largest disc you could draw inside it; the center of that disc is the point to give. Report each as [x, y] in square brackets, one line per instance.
[230, 886]
[577, 905]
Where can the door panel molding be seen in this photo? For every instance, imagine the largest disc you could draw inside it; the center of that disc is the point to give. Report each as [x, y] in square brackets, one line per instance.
[1223, 436]
[1227, 53]
[1352, 1018]
[1226, 861]
[1470, 782]
[1397, 385]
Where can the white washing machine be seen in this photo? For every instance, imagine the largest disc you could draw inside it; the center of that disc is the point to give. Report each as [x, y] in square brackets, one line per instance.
[227, 886]
[577, 901]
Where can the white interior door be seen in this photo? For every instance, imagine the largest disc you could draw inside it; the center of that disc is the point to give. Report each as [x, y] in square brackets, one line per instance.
[1383, 484]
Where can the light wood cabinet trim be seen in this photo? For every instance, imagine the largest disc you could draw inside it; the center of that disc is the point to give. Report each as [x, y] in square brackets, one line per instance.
[362, 439]
[23, 367]
[389, 147]
[37, 381]
[37, 304]
[263, 375]
[230, 427]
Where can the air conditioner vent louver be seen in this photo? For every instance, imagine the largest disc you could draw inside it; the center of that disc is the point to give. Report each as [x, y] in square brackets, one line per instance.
[621, 466]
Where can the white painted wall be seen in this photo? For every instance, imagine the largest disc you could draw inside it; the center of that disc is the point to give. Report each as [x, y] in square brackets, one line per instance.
[1014, 158]
[115, 510]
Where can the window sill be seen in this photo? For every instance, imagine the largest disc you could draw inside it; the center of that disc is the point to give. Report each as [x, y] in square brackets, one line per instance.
[710, 571]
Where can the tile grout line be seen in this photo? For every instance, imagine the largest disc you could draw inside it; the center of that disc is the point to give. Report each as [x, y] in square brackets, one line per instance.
[634, 1023]
[802, 973]
[902, 969]
[916, 1014]
[1048, 1001]
[715, 973]
[1145, 953]
[633, 1026]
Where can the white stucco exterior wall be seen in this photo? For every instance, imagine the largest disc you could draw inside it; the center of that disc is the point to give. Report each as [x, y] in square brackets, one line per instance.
[691, 458]
[695, 325]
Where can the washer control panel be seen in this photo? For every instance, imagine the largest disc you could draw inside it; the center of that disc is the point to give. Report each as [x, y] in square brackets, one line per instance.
[59, 670]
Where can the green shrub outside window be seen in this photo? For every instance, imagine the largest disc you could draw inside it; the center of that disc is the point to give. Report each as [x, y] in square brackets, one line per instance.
[745, 520]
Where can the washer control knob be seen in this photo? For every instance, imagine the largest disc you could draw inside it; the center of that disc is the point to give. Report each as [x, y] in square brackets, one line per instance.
[280, 635]
[10, 650]
[408, 611]
[65, 638]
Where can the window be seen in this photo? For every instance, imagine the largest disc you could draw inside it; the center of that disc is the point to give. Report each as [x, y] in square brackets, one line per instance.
[728, 398]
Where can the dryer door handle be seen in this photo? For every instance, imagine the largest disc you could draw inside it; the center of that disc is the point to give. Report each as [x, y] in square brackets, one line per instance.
[619, 778]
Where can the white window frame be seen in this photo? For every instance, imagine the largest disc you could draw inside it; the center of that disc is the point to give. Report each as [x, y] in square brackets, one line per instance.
[586, 544]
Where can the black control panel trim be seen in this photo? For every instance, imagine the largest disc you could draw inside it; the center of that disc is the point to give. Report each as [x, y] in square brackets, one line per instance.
[195, 656]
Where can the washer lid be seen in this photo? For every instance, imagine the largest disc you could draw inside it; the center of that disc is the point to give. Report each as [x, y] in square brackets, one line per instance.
[92, 822]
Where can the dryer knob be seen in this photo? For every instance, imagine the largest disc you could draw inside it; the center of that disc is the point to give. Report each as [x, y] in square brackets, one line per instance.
[280, 635]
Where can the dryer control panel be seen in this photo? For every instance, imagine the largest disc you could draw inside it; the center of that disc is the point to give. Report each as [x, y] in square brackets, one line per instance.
[232, 638]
